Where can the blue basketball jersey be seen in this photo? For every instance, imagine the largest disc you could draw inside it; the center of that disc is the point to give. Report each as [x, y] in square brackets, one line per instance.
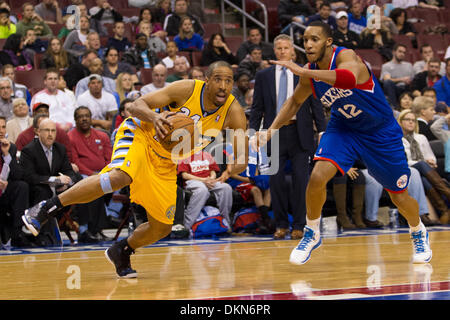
[362, 109]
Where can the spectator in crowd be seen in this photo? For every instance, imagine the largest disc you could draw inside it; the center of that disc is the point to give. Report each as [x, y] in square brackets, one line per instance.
[199, 176]
[354, 180]
[399, 17]
[424, 110]
[103, 105]
[7, 28]
[379, 39]
[14, 53]
[323, 15]
[76, 41]
[21, 120]
[56, 56]
[447, 53]
[159, 77]
[118, 40]
[374, 191]
[249, 98]
[430, 92]
[421, 157]
[40, 111]
[124, 112]
[140, 55]
[427, 53]
[31, 20]
[356, 20]
[396, 75]
[33, 43]
[124, 85]
[216, 49]
[161, 11]
[172, 50]
[157, 29]
[180, 69]
[79, 70]
[154, 42]
[440, 128]
[49, 11]
[12, 16]
[342, 36]
[172, 22]
[71, 23]
[62, 85]
[273, 86]
[255, 38]
[435, 5]
[92, 152]
[95, 67]
[14, 192]
[6, 105]
[93, 43]
[104, 12]
[61, 104]
[405, 101]
[293, 11]
[187, 39]
[18, 90]
[113, 67]
[196, 73]
[442, 86]
[253, 63]
[426, 78]
[240, 88]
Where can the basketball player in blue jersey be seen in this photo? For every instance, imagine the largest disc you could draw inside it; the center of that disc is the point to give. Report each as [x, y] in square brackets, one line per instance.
[362, 126]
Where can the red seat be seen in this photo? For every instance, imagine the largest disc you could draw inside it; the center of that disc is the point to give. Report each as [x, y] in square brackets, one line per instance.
[403, 39]
[129, 12]
[146, 76]
[428, 15]
[17, 4]
[37, 60]
[373, 58]
[196, 58]
[56, 28]
[210, 29]
[234, 42]
[31, 79]
[2, 43]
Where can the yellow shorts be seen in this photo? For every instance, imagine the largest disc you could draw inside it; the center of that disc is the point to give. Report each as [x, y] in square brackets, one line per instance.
[154, 184]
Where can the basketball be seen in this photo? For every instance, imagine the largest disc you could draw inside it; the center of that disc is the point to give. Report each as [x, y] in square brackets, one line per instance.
[181, 127]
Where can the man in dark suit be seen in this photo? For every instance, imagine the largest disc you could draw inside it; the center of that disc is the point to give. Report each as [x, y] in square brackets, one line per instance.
[273, 86]
[13, 191]
[46, 165]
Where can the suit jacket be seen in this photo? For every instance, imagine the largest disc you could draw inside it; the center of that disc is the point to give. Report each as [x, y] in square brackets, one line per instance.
[37, 170]
[425, 129]
[16, 171]
[13, 128]
[265, 105]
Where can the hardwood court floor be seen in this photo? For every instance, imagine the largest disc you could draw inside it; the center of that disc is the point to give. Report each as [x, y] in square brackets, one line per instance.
[344, 267]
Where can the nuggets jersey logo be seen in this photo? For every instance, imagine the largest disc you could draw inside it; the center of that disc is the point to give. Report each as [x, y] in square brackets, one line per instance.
[208, 123]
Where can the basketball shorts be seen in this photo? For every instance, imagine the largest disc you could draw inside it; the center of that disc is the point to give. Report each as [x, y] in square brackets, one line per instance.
[154, 178]
[245, 190]
[382, 152]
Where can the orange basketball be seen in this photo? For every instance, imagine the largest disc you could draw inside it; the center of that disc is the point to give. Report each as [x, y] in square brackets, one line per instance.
[182, 128]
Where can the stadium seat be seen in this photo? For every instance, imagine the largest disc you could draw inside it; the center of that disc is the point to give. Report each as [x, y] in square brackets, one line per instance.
[196, 58]
[186, 54]
[210, 29]
[438, 149]
[56, 28]
[37, 60]
[373, 58]
[31, 79]
[403, 39]
[129, 12]
[17, 4]
[146, 75]
[430, 16]
[2, 43]
[234, 42]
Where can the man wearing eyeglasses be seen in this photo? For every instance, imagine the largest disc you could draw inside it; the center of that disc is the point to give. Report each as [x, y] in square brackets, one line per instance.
[6, 105]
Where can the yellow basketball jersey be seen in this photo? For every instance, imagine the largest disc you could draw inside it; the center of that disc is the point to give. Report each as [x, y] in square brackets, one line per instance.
[208, 123]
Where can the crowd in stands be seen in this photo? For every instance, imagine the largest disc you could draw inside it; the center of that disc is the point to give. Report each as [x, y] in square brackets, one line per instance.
[70, 68]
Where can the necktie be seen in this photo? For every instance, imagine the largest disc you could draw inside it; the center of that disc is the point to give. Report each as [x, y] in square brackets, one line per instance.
[48, 153]
[282, 89]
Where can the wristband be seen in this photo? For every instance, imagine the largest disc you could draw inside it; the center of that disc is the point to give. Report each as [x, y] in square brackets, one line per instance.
[345, 79]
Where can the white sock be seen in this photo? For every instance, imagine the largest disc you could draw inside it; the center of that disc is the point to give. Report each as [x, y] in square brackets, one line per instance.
[419, 227]
[313, 224]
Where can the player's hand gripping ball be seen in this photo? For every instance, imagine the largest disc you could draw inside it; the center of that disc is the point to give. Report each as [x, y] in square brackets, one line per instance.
[181, 132]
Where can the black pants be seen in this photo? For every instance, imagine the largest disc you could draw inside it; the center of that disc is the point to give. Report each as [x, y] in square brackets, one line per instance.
[15, 199]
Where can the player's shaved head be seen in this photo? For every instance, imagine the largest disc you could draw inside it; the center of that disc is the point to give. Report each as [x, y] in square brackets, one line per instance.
[216, 65]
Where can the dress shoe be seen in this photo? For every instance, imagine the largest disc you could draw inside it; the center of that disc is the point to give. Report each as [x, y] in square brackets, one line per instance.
[427, 221]
[373, 224]
[296, 234]
[86, 237]
[280, 233]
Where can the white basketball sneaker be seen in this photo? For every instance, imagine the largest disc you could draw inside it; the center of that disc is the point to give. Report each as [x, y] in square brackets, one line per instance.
[310, 241]
[421, 244]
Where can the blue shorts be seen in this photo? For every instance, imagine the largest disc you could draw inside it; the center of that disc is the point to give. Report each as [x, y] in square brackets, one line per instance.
[382, 152]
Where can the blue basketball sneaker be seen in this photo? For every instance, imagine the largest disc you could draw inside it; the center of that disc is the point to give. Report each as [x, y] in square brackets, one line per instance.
[310, 241]
[421, 244]
[35, 217]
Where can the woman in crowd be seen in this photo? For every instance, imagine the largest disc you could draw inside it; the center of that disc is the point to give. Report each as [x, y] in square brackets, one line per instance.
[56, 56]
[21, 120]
[124, 85]
[157, 29]
[405, 102]
[187, 39]
[378, 39]
[399, 17]
[13, 53]
[216, 50]
[112, 66]
[421, 157]
[154, 42]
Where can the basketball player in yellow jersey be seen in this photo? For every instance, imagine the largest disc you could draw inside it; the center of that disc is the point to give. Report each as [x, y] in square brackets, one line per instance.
[140, 161]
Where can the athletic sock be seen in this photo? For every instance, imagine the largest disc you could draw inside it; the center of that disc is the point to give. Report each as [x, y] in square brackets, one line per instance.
[313, 224]
[419, 227]
[125, 246]
[52, 206]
